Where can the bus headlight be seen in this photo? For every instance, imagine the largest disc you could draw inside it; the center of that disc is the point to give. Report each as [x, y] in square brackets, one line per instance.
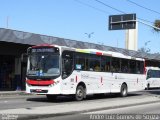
[55, 83]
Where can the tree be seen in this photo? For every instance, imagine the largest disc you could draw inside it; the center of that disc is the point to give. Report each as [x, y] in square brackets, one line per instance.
[144, 50]
[157, 24]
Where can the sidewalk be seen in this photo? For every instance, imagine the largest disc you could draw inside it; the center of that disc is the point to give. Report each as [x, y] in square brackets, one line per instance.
[78, 107]
[11, 93]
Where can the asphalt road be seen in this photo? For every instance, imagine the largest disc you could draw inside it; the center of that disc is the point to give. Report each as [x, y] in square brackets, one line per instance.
[28, 102]
[143, 111]
[40, 100]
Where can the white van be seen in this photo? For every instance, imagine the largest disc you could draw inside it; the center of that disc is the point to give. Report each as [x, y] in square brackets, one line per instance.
[152, 77]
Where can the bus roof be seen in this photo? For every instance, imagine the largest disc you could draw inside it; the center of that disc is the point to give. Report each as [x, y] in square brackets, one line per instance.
[152, 68]
[92, 51]
[104, 53]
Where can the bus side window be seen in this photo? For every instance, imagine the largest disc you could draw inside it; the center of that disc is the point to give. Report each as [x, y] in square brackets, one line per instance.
[140, 67]
[132, 67]
[115, 65]
[105, 63]
[80, 61]
[95, 63]
[67, 63]
[124, 65]
[158, 73]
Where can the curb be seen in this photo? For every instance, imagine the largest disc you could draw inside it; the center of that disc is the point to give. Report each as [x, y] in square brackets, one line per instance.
[82, 111]
[7, 93]
[13, 94]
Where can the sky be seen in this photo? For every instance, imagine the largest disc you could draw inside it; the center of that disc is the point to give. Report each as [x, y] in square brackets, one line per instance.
[71, 19]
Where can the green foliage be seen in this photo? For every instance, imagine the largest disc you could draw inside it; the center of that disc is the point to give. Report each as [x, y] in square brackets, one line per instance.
[157, 24]
[144, 50]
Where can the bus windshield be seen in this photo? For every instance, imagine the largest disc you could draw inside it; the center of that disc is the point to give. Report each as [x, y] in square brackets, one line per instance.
[44, 64]
[153, 74]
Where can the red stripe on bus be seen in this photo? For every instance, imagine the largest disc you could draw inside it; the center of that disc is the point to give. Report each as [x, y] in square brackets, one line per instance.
[145, 70]
[101, 79]
[76, 79]
[40, 82]
[43, 45]
[98, 53]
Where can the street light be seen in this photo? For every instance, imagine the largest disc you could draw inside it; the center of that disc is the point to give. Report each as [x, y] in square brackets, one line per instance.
[147, 49]
[89, 34]
[146, 43]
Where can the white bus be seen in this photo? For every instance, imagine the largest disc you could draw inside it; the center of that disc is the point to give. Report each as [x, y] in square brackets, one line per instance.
[152, 77]
[55, 70]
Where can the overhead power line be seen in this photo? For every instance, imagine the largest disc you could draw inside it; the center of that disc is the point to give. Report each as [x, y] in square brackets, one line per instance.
[88, 5]
[143, 7]
[120, 10]
[110, 6]
[140, 19]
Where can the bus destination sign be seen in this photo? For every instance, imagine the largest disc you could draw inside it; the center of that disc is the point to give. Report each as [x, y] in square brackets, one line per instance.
[35, 50]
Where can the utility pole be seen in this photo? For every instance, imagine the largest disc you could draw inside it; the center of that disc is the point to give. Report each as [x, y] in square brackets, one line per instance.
[131, 38]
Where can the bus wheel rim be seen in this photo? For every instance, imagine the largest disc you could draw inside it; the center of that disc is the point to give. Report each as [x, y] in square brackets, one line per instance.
[79, 93]
[124, 91]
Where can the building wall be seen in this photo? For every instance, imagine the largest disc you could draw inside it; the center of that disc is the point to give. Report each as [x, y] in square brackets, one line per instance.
[10, 66]
[152, 63]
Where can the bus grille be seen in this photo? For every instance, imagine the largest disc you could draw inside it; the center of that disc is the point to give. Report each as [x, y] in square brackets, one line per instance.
[38, 91]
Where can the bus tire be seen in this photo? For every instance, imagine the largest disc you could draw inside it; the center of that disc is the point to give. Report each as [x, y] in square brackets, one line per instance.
[124, 90]
[51, 97]
[148, 86]
[80, 93]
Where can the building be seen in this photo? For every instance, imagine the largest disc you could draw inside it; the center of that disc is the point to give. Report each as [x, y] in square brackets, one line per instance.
[14, 43]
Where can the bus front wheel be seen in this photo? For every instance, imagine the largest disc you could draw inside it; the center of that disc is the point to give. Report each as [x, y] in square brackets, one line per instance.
[148, 86]
[80, 93]
[124, 90]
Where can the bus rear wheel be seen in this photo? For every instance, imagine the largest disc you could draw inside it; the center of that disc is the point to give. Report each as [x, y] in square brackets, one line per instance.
[148, 86]
[80, 93]
[124, 90]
